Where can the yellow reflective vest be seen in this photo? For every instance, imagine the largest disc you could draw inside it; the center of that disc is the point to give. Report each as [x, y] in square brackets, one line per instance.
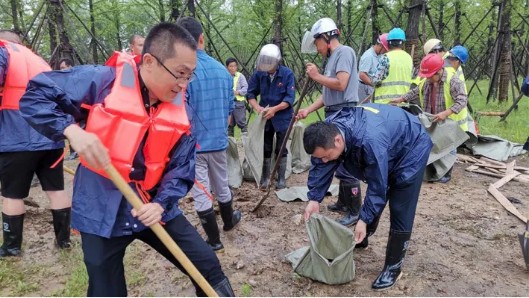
[235, 81]
[398, 80]
[461, 117]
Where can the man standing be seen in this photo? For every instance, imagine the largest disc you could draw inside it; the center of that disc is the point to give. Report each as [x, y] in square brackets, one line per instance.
[442, 94]
[24, 152]
[240, 87]
[153, 151]
[384, 146]
[65, 63]
[340, 89]
[368, 66]
[394, 71]
[136, 44]
[275, 85]
[211, 102]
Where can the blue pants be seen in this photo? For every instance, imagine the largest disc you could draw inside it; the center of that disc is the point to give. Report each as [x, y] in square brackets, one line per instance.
[103, 257]
[402, 200]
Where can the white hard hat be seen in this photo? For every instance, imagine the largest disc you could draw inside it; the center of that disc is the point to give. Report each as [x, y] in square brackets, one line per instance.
[268, 58]
[430, 45]
[322, 26]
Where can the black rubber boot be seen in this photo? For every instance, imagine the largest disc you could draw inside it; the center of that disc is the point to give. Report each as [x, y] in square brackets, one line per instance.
[447, 177]
[231, 130]
[395, 253]
[12, 227]
[61, 226]
[370, 230]
[209, 223]
[352, 199]
[265, 174]
[281, 172]
[338, 206]
[229, 217]
[224, 289]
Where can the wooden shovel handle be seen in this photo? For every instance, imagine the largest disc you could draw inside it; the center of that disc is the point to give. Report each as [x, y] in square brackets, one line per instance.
[162, 234]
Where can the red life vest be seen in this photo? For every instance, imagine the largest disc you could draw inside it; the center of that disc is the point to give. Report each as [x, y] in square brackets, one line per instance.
[121, 123]
[23, 65]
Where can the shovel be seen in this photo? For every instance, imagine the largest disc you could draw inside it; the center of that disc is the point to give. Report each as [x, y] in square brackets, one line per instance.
[162, 234]
[524, 241]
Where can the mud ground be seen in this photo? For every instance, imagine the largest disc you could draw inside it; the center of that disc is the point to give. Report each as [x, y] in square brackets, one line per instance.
[464, 244]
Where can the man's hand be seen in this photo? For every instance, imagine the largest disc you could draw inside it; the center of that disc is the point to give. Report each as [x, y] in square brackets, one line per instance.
[441, 116]
[360, 231]
[148, 214]
[312, 70]
[396, 101]
[259, 109]
[312, 207]
[88, 146]
[302, 114]
[269, 113]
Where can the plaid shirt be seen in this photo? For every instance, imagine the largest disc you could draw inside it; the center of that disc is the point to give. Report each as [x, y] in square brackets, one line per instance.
[457, 91]
[382, 71]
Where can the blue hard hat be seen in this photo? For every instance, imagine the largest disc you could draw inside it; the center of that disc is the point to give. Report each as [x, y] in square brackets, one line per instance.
[460, 52]
[397, 34]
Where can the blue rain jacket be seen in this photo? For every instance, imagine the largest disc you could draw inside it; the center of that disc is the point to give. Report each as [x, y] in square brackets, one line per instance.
[15, 134]
[281, 89]
[53, 102]
[384, 147]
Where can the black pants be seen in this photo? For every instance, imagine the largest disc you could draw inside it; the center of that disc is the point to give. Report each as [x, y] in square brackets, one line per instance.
[269, 141]
[103, 257]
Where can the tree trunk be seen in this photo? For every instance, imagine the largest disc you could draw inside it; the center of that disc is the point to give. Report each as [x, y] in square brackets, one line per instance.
[162, 10]
[506, 51]
[339, 22]
[412, 31]
[93, 43]
[175, 13]
[14, 13]
[278, 24]
[457, 23]
[117, 24]
[440, 23]
[191, 7]
[65, 48]
[375, 29]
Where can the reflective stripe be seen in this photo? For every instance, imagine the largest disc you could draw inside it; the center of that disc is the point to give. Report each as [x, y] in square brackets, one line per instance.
[372, 110]
[396, 83]
[128, 79]
[388, 96]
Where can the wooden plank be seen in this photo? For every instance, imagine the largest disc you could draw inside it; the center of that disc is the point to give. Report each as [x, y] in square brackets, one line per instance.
[523, 169]
[510, 167]
[472, 168]
[466, 158]
[491, 113]
[505, 179]
[523, 179]
[492, 161]
[506, 203]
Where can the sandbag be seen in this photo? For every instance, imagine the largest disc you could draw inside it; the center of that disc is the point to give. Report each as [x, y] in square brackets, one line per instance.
[329, 258]
[234, 164]
[300, 158]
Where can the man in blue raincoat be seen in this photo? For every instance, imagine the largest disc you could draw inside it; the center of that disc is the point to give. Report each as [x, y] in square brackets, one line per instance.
[160, 166]
[387, 148]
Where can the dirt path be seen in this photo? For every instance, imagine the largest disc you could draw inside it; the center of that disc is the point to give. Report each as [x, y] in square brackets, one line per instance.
[464, 244]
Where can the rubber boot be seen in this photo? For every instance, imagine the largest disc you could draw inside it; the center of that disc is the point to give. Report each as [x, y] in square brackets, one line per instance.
[12, 228]
[281, 172]
[209, 223]
[61, 226]
[352, 199]
[447, 177]
[231, 130]
[229, 217]
[265, 174]
[395, 253]
[224, 289]
[370, 230]
[338, 206]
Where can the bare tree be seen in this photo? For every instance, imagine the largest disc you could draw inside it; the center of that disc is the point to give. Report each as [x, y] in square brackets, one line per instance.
[412, 30]
[93, 42]
[506, 50]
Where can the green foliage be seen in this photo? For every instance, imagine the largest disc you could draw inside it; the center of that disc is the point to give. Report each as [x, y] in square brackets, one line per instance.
[246, 290]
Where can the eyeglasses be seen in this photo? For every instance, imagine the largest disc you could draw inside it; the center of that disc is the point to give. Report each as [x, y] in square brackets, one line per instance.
[181, 79]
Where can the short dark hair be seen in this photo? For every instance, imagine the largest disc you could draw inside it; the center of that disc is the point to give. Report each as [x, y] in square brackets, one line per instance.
[161, 40]
[133, 38]
[192, 25]
[395, 44]
[230, 60]
[66, 61]
[319, 134]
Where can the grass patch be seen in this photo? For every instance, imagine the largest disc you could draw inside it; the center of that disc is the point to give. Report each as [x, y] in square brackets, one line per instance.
[18, 280]
[77, 282]
[246, 290]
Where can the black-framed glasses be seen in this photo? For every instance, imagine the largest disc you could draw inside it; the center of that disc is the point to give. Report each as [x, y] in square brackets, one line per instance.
[180, 80]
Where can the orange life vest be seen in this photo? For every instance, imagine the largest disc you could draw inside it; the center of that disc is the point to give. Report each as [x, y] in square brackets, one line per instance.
[121, 123]
[23, 65]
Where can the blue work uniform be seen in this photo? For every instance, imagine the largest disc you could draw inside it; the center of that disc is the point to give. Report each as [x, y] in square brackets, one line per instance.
[388, 149]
